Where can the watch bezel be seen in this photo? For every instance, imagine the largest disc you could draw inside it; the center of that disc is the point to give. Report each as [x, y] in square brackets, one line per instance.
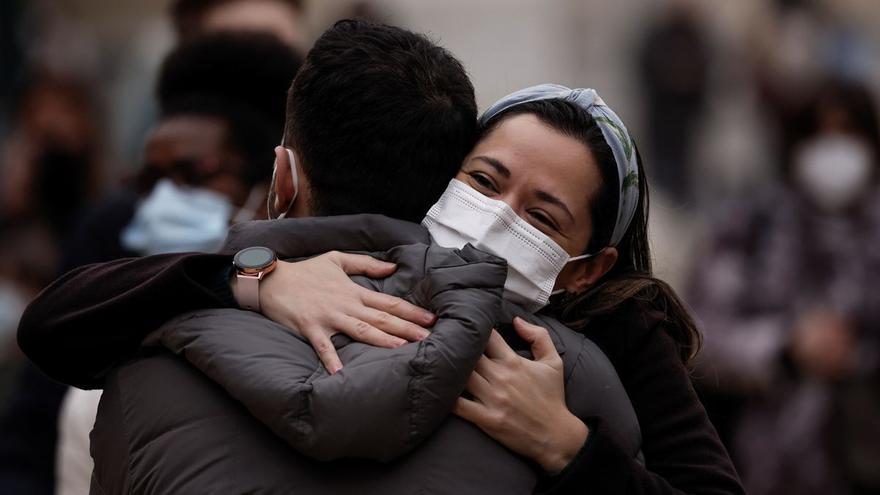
[251, 268]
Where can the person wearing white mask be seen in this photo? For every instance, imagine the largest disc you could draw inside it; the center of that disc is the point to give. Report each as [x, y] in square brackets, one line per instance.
[788, 292]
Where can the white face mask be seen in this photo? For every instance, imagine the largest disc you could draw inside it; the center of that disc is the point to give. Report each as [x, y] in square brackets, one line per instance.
[834, 170]
[294, 177]
[175, 219]
[534, 261]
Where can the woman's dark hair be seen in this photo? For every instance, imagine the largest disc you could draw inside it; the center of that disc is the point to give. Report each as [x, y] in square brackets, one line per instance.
[631, 279]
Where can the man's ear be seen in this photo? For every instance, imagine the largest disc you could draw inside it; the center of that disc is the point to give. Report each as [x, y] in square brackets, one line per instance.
[284, 191]
[585, 273]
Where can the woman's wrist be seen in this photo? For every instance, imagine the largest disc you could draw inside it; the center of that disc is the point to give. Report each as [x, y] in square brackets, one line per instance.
[563, 443]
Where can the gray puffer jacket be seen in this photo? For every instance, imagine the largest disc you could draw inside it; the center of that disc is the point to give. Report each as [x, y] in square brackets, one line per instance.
[380, 407]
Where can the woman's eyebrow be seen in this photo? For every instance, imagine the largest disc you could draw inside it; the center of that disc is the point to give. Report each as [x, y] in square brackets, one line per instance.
[549, 198]
[498, 166]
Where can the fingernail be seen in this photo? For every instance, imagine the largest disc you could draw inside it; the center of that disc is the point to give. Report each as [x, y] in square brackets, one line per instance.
[335, 370]
[430, 317]
[424, 335]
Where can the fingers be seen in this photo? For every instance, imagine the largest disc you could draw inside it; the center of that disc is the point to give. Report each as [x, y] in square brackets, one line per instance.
[390, 324]
[324, 348]
[539, 338]
[487, 368]
[359, 264]
[471, 411]
[398, 307]
[497, 348]
[362, 331]
[478, 386]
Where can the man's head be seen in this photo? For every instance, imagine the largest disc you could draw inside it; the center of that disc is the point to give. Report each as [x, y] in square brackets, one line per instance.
[379, 120]
[283, 18]
[221, 98]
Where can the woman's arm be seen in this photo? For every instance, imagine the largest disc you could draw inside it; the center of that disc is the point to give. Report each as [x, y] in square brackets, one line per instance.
[97, 315]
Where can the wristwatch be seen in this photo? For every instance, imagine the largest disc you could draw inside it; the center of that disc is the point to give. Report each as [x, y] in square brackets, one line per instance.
[251, 265]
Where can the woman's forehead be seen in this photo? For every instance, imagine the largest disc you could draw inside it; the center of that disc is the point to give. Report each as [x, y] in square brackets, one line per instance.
[536, 153]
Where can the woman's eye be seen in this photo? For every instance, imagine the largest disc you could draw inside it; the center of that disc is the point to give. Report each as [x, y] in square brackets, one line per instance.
[544, 219]
[484, 181]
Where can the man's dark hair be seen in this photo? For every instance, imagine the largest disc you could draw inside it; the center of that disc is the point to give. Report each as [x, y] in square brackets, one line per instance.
[381, 118]
[187, 15]
[240, 78]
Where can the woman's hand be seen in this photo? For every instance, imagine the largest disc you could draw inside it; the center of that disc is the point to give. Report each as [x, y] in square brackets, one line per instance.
[317, 298]
[521, 403]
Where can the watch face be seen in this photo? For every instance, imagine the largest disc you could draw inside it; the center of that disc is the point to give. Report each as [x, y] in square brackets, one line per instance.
[254, 258]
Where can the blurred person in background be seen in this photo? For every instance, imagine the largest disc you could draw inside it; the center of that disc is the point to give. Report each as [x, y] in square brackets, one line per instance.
[674, 67]
[221, 101]
[49, 168]
[50, 159]
[221, 98]
[794, 46]
[283, 18]
[134, 113]
[788, 295]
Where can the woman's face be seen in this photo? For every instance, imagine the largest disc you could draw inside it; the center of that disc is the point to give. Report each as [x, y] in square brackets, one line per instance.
[548, 178]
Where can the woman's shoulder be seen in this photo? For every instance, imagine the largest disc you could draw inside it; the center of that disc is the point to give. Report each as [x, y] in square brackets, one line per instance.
[631, 326]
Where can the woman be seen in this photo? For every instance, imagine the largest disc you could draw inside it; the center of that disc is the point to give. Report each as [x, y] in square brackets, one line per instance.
[565, 165]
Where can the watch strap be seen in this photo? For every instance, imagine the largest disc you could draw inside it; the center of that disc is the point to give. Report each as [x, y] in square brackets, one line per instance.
[247, 292]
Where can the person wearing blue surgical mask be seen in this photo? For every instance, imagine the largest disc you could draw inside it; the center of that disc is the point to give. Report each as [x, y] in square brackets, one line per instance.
[200, 188]
[202, 171]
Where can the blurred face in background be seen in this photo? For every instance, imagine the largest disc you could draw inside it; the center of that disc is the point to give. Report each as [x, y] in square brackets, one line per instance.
[60, 115]
[837, 166]
[192, 151]
[194, 186]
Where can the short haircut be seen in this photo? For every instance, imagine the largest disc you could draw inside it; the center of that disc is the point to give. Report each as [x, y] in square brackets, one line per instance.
[187, 15]
[381, 118]
[240, 78]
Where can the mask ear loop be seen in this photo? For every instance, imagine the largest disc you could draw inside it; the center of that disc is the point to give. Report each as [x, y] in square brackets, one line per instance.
[294, 176]
[576, 258]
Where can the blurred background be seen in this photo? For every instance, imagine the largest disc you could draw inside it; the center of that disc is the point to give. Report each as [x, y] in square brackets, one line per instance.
[756, 118]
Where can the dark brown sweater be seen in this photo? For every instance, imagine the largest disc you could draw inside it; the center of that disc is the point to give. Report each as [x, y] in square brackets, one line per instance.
[96, 316]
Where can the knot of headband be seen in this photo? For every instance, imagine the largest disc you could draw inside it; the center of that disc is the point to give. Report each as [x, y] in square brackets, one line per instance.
[613, 131]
